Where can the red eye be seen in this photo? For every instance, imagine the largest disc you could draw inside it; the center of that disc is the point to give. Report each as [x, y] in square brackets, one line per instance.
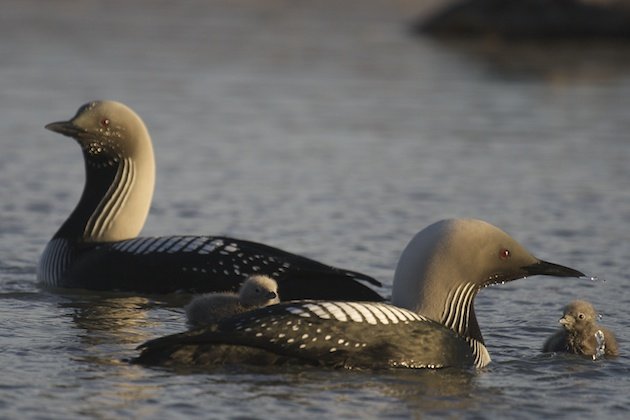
[105, 122]
[505, 254]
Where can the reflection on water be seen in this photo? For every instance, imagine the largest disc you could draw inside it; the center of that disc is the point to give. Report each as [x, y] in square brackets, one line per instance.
[435, 392]
[121, 320]
[109, 327]
[388, 393]
[109, 318]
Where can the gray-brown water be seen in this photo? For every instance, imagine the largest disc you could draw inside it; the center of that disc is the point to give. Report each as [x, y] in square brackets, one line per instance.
[326, 129]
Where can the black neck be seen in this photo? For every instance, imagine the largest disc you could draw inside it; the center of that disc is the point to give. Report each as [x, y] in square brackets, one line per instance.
[473, 326]
[99, 180]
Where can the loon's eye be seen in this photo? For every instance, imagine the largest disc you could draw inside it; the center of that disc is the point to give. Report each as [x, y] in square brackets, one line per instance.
[505, 254]
[581, 316]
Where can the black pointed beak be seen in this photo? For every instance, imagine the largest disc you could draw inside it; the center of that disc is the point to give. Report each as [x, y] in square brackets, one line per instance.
[545, 268]
[67, 128]
[271, 295]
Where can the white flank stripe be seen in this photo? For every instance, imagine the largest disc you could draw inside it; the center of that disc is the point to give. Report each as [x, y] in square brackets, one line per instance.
[164, 243]
[178, 245]
[122, 246]
[387, 311]
[415, 316]
[405, 314]
[129, 245]
[194, 244]
[151, 246]
[350, 311]
[187, 240]
[480, 352]
[59, 260]
[383, 315]
[54, 261]
[335, 311]
[397, 312]
[317, 310]
[144, 243]
[369, 316]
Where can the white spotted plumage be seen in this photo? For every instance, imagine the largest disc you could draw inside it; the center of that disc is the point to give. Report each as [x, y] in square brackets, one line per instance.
[298, 311]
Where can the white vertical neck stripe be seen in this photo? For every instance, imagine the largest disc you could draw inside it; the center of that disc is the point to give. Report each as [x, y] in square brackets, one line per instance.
[457, 308]
[114, 200]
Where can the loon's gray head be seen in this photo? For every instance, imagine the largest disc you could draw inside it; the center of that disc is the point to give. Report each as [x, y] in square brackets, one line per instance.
[120, 172]
[258, 291]
[445, 265]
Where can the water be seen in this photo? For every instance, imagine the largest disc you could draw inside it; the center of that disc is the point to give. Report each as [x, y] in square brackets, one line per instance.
[327, 130]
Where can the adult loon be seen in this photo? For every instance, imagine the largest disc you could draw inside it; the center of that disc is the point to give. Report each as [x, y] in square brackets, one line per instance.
[257, 291]
[97, 246]
[430, 324]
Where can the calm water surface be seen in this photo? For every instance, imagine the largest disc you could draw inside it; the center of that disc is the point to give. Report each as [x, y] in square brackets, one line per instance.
[326, 130]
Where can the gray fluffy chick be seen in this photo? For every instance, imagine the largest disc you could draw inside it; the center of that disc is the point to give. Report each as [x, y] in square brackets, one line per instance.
[257, 291]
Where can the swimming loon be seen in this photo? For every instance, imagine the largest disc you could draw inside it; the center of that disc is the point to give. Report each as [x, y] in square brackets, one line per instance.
[431, 322]
[97, 246]
[581, 334]
[257, 291]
